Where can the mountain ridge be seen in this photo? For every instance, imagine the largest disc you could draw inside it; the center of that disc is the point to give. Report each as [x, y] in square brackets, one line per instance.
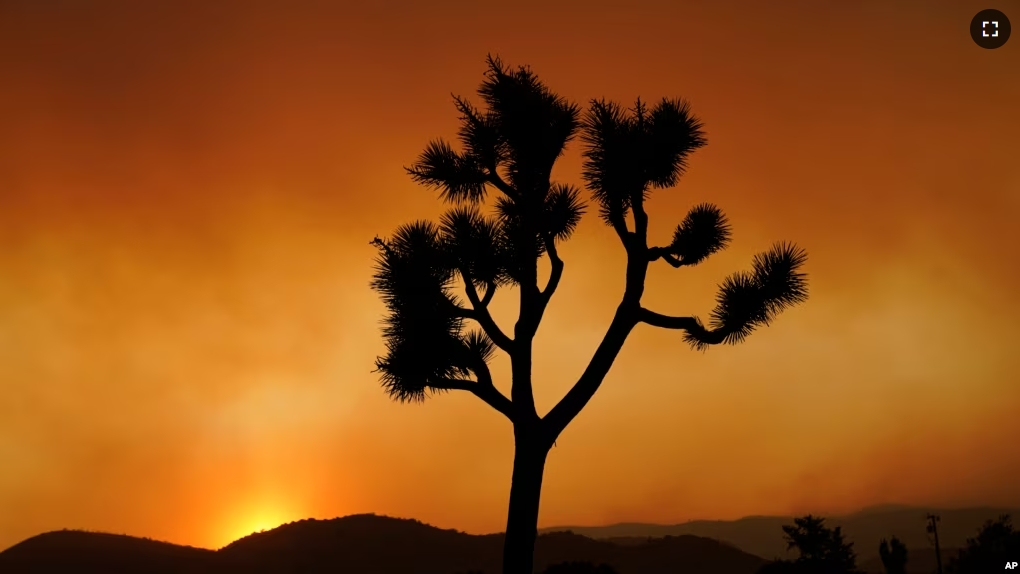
[763, 535]
[365, 543]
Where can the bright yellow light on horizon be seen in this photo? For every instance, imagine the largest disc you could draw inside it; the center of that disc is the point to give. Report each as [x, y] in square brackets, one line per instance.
[255, 517]
[243, 510]
[257, 523]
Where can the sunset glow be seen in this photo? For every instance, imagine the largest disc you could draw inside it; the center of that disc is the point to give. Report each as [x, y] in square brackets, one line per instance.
[258, 522]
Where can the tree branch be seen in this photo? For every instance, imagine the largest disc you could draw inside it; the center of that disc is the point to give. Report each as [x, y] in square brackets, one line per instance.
[689, 324]
[554, 276]
[481, 389]
[528, 319]
[482, 315]
[489, 393]
[620, 226]
[492, 176]
[450, 384]
[624, 320]
[490, 291]
[654, 253]
[462, 312]
[640, 217]
[578, 396]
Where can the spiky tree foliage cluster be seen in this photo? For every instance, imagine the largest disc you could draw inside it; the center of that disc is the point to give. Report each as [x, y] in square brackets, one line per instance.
[631, 152]
[510, 146]
[506, 213]
[428, 346]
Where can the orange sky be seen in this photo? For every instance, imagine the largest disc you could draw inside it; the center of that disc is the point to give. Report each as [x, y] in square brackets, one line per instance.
[186, 198]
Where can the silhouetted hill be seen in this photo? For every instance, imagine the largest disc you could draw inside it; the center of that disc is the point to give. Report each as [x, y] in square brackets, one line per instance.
[367, 544]
[763, 535]
[72, 551]
[381, 545]
[361, 543]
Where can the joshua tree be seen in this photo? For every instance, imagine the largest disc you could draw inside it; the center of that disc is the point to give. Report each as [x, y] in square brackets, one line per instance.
[507, 214]
[894, 556]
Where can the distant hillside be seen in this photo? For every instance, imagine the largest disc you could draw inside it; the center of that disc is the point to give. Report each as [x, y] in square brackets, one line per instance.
[763, 535]
[360, 544]
[73, 551]
[370, 544]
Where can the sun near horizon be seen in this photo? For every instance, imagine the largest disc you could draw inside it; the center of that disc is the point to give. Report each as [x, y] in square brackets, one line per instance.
[188, 190]
[255, 520]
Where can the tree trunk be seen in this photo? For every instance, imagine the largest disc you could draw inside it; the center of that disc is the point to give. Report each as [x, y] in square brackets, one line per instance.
[522, 518]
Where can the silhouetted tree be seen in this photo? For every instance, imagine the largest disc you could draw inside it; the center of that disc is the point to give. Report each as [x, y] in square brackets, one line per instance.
[894, 556]
[579, 568]
[822, 550]
[997, 543]
[509, 148]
